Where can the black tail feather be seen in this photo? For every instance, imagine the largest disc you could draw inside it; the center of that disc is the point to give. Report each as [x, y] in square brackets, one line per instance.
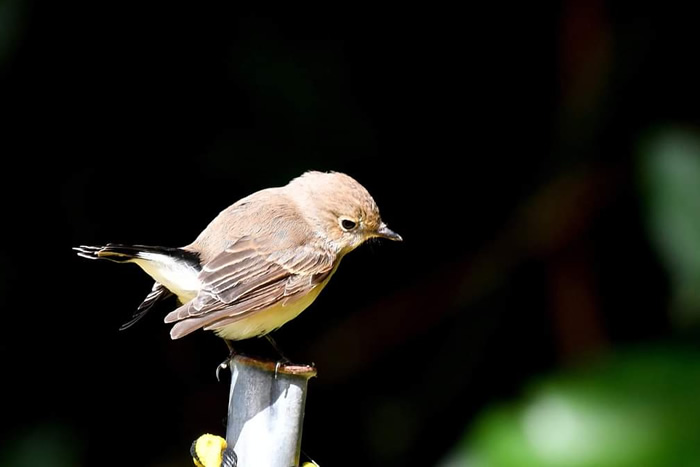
[122, 253]
[126, 253]
[158, 293]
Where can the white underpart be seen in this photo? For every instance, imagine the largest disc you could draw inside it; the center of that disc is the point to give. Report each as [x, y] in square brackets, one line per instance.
[176, 275]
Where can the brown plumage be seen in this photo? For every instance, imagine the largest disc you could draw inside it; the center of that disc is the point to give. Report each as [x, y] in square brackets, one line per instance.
[262, 260]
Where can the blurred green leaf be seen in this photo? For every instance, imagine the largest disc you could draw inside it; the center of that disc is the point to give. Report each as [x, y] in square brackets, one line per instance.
[636, 409]
[670, 175]
[49, 444]
[10, 27]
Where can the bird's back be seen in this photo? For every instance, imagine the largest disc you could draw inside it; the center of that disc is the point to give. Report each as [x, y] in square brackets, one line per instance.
[268, 213]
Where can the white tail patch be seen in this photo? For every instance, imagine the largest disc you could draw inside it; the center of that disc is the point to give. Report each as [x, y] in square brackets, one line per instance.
[175, 275]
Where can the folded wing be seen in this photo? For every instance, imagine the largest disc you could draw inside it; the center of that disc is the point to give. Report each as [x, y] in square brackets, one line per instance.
[249, 277]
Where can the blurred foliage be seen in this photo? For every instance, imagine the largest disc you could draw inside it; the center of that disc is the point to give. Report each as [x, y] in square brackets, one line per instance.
[10, 27]
[637, 408]
[670, 177]
[48, 444]
[630, 408]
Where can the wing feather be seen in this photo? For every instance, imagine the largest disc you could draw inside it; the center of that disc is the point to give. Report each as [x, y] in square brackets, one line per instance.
[248, 277]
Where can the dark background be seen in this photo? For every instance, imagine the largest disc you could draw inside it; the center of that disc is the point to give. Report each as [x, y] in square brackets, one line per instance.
[500, 141]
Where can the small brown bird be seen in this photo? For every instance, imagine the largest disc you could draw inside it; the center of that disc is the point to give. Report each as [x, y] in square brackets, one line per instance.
[261, 261]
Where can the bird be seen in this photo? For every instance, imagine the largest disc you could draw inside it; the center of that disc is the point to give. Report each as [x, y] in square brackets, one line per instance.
[261, 261]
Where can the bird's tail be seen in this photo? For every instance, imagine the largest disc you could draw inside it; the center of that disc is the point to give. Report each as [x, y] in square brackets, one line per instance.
[125, 253]
[174, 269]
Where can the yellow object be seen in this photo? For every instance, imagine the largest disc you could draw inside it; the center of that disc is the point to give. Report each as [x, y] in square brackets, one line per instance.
[211, 451]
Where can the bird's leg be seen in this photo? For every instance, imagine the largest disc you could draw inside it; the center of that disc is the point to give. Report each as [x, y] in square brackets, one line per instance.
[284, 359]
[223, 365]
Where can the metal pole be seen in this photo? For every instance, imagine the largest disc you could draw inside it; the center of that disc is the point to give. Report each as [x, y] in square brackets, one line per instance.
[266, 412]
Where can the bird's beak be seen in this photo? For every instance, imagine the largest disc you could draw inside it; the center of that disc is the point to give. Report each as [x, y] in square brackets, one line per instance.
[385, 232]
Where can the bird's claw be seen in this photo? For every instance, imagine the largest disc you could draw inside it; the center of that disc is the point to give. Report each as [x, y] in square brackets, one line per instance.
[222, 366]
[278, 364]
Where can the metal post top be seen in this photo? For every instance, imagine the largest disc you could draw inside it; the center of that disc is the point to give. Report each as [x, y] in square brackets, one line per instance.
[291, 369]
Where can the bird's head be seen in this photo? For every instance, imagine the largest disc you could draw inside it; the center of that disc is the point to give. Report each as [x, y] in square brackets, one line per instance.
[342, 209]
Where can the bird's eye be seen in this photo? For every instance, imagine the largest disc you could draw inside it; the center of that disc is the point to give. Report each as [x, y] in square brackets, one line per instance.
[348, 224]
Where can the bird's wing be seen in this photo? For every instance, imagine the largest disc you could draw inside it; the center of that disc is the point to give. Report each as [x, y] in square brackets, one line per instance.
[247, 277]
